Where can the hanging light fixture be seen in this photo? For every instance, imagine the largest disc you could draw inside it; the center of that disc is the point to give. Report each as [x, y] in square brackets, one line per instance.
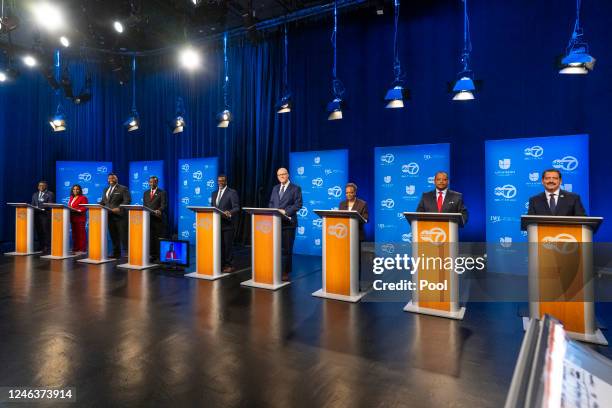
[58, 121]
[224, 117]
[577, 59]
[285, 103]
[178, 123]
[133, 121]
[464, 86]
[397, 94]
[337, 105]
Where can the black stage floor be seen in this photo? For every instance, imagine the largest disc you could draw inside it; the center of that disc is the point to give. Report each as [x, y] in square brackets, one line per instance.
[153, 338]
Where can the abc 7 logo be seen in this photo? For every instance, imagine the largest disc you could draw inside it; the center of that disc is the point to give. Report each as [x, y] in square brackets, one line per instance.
[561, 243]
[136, 218]
[265, 227]
[57, 215]
[387, 158]
[507, 191]
[435, 235]
[339, 231]
[94, 216]
[22, 215]
[410, 168]
[567, 163]
[205, 223]
[534, 151]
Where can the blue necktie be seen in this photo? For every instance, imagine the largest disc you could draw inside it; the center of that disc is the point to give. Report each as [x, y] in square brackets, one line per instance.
[552, 204]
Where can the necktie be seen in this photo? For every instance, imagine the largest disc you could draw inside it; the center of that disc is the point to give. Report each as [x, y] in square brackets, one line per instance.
[552, 204]
[109, 191]
[219, 194]
[440, 201]
[282, 190]
[152, 194]
[40, 196]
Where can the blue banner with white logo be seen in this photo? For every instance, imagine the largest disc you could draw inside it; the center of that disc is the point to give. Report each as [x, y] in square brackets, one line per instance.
[322, 176]
[514, 173]
[139, 177]
[197, 179]
[402, 175]
[91, 176]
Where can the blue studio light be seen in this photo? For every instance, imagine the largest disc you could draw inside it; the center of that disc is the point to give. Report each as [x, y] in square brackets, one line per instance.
[334, 109]
[395, 96]
[132, 122]
[577, 59]
[464, 87]
[58, 121]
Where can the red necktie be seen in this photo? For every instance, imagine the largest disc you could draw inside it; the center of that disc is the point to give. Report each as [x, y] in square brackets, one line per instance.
[440, 200]
[151, 194]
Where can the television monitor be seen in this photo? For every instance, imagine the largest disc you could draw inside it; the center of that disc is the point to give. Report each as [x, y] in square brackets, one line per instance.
[174, 252]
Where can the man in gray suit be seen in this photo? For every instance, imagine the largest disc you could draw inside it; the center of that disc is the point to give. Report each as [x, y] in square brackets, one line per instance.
[442, 199]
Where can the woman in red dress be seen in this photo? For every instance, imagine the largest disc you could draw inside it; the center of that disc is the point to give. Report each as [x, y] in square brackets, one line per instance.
[78, 219]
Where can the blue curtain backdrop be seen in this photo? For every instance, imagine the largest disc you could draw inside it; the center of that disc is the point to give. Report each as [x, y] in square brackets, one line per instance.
[515, 46]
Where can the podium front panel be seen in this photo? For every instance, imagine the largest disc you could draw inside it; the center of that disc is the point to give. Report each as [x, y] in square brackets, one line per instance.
[24, 230]
[337, 257]
[60, 218]
[97, 235]
[207, 243]
[432, 238]
[266, 242]
[139, 238]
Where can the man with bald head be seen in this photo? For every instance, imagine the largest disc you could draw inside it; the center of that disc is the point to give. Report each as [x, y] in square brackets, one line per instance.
[287, 197]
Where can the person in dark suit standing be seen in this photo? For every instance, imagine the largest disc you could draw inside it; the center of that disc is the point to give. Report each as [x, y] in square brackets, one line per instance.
[155, 199]
[554, 201]
[287, 197]
[442, 199]
[226, 199]
[352, 203]
[42, 219]
[112, 197]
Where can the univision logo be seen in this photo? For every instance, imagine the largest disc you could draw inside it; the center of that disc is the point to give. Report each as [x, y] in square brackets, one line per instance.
[506, 242]
[534, 176]
[410, 190]
[136, 175]
[387, 179]
[567, 163]
[411, 168]
[300, 170]
[334, 191]
[504, 164]
[534, 151]
[145, 184]
[507, 191]
[317, 160]
[387, 158]
[301, 230]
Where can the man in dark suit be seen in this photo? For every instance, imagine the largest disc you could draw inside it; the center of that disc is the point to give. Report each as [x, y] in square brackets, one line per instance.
[155, 199]
[112, 197]
[355, 204]
[226, 199]
[42, 219]
[442, 199]
[554, 201]
[288, 198]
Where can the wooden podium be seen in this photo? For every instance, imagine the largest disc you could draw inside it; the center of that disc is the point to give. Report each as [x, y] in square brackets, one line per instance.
[435, 235]
[97, 241]
[266, 255]
[24, 229]
[208, 243]
[60, 227]
[561, 272]
[340, 262]
[139, 236]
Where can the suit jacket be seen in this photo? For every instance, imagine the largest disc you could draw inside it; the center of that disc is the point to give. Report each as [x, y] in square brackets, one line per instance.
[229, 202]
[568, 204]
[453, 203]
[48, 197]
[120, 195]
[158, 202]
[76, 204]
[362, 208]
[291, 202]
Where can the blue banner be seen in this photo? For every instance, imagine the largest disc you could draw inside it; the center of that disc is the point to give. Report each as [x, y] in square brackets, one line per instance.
[91, 176]
[139, 177]
[402, 175]
[197, 179]
[514, 174]
[322, 176]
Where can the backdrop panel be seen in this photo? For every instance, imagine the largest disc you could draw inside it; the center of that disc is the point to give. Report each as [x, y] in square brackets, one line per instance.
[139, 177]
[91, 176]
[402, 174]
[322, 176]
[197, 179]
[514, 173]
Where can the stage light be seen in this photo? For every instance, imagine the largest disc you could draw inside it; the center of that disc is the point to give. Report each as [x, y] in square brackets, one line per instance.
[395, 97]
[196, 3]
[8, 23]
[224, 118]
[3, 76]
[48, 16]
[29, 61]
[190, 58]
[397, 94]
[285, 103]
[464, 87]
[178, 123]
[577, 59]
[133, 121]
[65, 41]
[118, 26]
[58, 121]
[380, 7]
[334, 109]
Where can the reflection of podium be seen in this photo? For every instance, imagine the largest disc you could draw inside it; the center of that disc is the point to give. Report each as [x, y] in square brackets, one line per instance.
[266, 255]
[138, 236]
[208, 243]
[561, 272]
[435, 236]
[340, 262]
[60, 225]
[24, 229]
[98, 224]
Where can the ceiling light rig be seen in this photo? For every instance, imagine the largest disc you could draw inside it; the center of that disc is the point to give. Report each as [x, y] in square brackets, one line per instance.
[64, 41]
[190, 59]
[285, 103]
[225, 116]
[178, 123]
[58, 121]
[132, 123]
[336, 106]
[8, 22]
[118, 26]
[465, 87]
[397, 94]
[577, 59]
[48, 15]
